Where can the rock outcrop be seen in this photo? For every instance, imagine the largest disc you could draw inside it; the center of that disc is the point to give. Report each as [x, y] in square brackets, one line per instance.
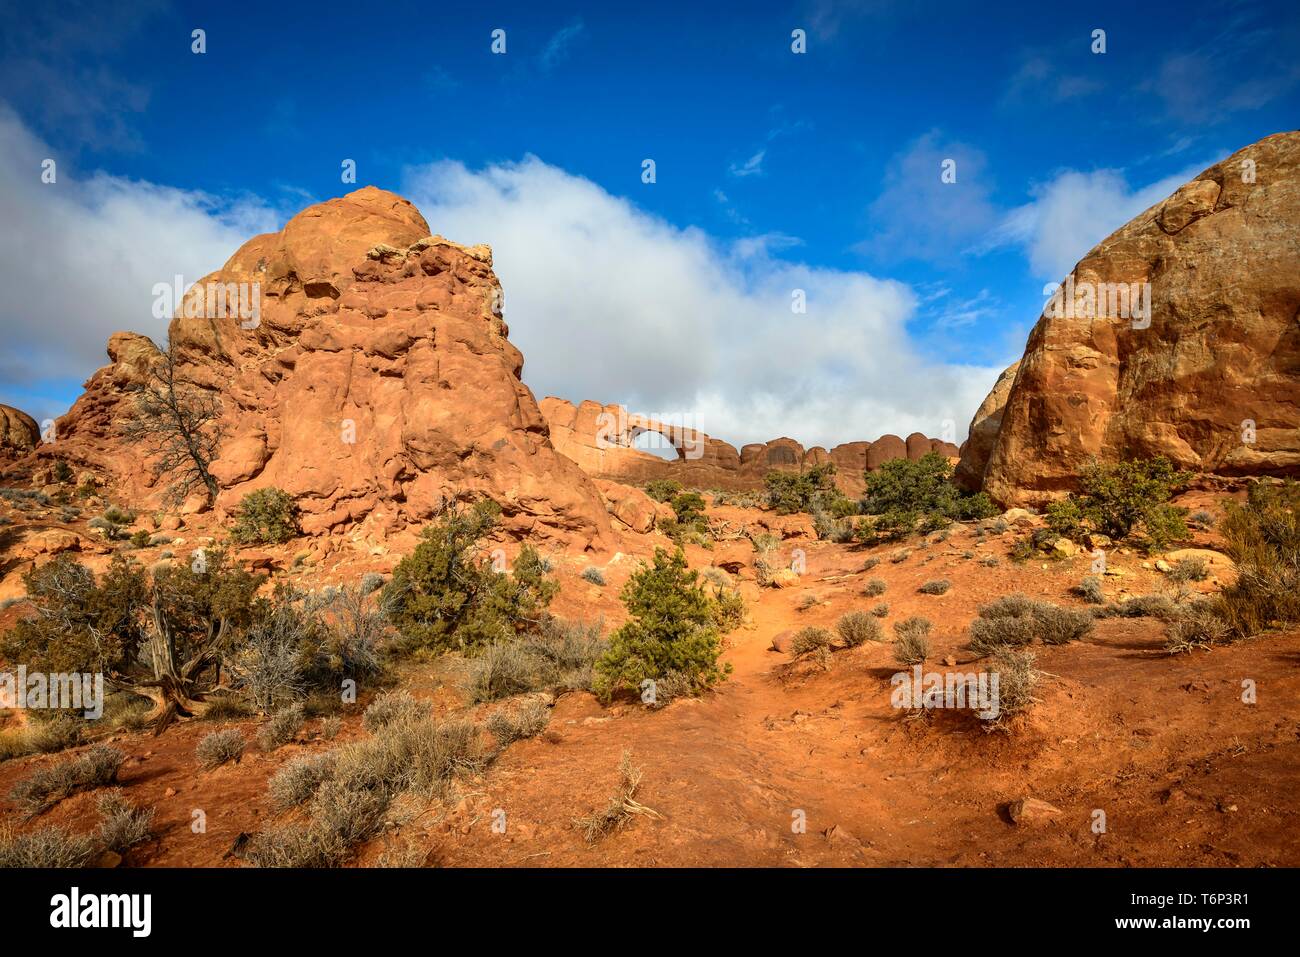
[373, 380]
[600, 439]
[1209, 376]
[18, 431]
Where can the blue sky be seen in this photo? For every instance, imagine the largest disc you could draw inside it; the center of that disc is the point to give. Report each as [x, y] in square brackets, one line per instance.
[772, 169]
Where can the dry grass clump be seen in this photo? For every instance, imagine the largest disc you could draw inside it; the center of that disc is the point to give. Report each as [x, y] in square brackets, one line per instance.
[297, 780]
[874, 588]
[45, 847]
[810, 639]
[220, 747]
[40, 737]
[49, 785]
[349, 802]
[912, 640]
[1143, 606]
[622, 806]
[1263, 538]
[858, 627]
[123, 825]
[937, 586]
[1015, 620]
[281, 727]
[559, 658]
[1017, 680]
[526, 721]
[1189, 570]
[1089, 589]
[1199, 626]
[391, 707]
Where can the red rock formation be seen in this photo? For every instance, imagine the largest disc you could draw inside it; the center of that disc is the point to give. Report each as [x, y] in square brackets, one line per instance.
[18, 431]
[1211, 379]
[377, 380]
[600, 439]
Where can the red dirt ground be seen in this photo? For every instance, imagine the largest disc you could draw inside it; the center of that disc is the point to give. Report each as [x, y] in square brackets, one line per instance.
[1184, 771]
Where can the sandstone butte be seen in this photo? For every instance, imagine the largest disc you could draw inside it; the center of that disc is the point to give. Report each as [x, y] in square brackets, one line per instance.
[1213, 382]
[378, 381]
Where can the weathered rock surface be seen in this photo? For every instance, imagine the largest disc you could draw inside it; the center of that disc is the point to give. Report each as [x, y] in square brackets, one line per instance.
[1213, 382]
[983, 434]
[18, 430]
[377, 381]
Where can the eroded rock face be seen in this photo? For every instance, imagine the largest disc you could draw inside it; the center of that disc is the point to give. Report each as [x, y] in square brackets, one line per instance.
[983, 434]
[376, 381]
[1213, 382]
[18, 430]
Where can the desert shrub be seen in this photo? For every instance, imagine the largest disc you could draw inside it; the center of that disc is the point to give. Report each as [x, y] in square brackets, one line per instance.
[1141, 606]
[1089, 589]
[49, 785]
[226, 708]
[662, 490]
[880, 610]
[812, 490]
[62, 472]
[1016, 620]
[906, 496]
[874, 587]
[1263, 537]
[85, 625]
[56, 733]
[371, 582]
[938, 586]
[220, 747]
[1017, 680]
[989, 634]
[281, 727]
[1189, 570]
[1124, 499]
[445, 595]
[297, 780]
[728, 607]
[1201, 518]
[265, 516]
[123, 825]
[330, 727]
[900, 556]
[594, 575]
[526, 721]
[911, 640]
[810, 639]
[140, 538]
[560, 657]
[46, 847]
[1060, 626]
[857, 627]
[806, 601]
[1199, 626]
[118, 515]
[672, 627]
[393, 707]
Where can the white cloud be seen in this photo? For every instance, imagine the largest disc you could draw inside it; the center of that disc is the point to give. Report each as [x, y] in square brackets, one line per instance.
[79, 258]
[918, 215]
[751, 167]
[1074, 211]
[608, 302]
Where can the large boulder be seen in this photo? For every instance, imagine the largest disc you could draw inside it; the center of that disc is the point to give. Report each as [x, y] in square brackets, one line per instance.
[1210, 378]
[18, 430]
